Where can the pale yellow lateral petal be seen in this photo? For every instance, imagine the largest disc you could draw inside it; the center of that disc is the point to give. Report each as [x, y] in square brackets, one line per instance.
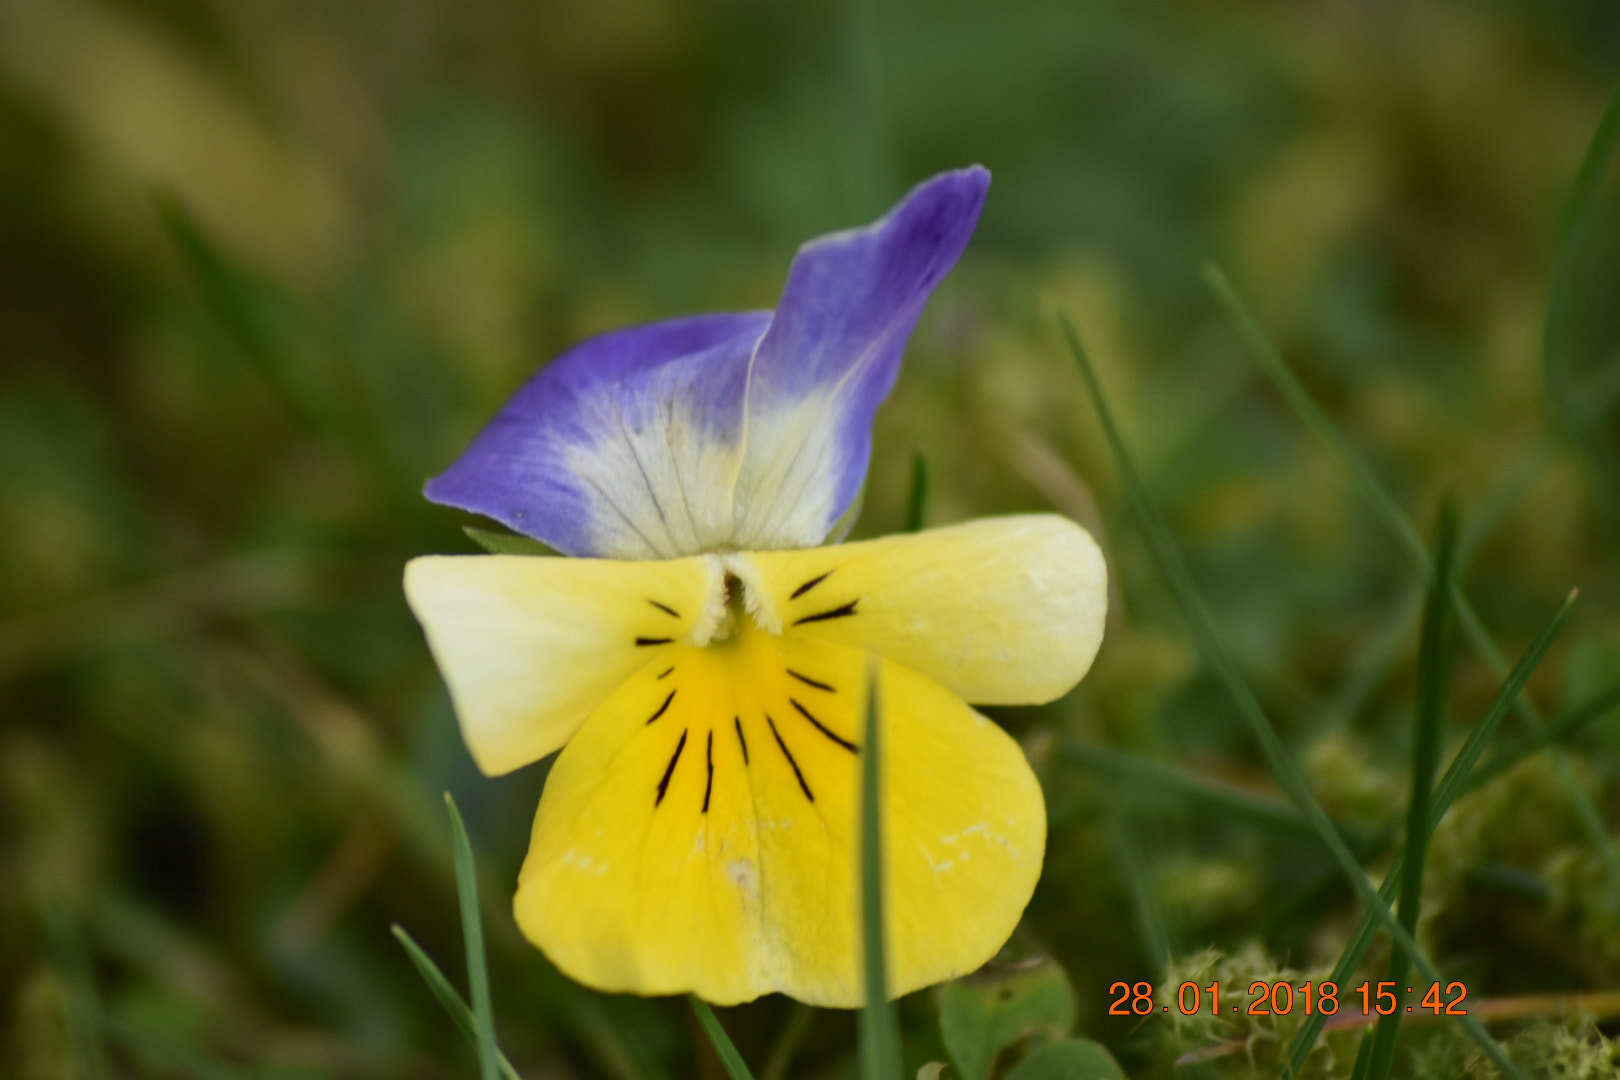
[530, 646]
[1003, 611]
[698, 833]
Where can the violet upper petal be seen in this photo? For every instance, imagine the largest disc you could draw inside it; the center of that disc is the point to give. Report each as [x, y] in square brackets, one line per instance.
[625, 446]
[831, 356]
[748, 431]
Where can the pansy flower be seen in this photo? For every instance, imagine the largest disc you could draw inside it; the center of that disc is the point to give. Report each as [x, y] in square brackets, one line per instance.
[702, 663]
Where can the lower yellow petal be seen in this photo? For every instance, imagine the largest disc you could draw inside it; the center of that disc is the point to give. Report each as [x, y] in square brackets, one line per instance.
[530, 646]
[698, 834]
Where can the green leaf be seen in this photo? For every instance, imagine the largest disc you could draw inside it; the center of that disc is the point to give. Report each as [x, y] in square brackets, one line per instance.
[980, 1017]
[460, 1014]
[502, 543]
[879, 1024]
[1071, 1059]
[472, 932]
[736, 1067]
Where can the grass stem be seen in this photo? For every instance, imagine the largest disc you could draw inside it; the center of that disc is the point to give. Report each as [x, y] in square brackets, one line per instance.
[879, 1025]
[736, 1067]
[472, 931]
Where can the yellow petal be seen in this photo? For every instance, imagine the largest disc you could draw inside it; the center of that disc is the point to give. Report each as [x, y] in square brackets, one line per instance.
[529, 646]
[1002, 611]
[698, 834]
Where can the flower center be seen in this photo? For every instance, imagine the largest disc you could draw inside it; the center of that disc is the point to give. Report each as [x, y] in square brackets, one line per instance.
[738, 595]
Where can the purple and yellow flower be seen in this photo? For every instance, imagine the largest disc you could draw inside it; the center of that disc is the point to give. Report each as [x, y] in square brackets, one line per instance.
[702, 663]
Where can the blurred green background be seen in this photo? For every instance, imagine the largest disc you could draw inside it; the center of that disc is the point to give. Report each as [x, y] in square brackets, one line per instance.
[266, 265]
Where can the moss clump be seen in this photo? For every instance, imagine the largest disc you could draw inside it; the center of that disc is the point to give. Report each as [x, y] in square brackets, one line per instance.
[1546, 1050]
[1264, 1037]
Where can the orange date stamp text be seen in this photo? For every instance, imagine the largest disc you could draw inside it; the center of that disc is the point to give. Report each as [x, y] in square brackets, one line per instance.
[1281, 998]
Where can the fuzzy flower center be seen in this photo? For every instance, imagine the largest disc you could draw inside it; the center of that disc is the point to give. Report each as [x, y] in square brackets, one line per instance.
[737, 597]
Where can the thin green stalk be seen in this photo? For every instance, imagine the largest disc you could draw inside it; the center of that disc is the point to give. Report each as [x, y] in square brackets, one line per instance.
[1282, 767]
[1586, 812]
[1363, 1057]
[1576, 409]
[1146, 775]
[1451, 785]
[1150, 922]
[736, 1067]
[180, 1060]
[788, 1042]
[460, 1014]
[917, 503]
[1270, 361]
[1605, 140]
[1370, 669]
[1562, 728]
[1494, 508]
[72, 962]
[472, 931]
[1435, 662]
[1455, 781]
[879, 1025]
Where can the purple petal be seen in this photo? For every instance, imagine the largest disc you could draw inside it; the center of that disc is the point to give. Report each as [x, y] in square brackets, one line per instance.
[832, 354]
[744, 431]
[575, 458]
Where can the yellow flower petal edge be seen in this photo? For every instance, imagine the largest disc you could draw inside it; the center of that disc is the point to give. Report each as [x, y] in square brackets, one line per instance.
[1002, 611]
[529, 646]
[699, 833]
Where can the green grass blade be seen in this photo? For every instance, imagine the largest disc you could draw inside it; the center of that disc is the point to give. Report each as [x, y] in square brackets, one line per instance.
[1143, 777]
[736, 1067]
[1150, 921]
[1577, 209]
[1456, 779]
[788, 1042]
[1372, 668]
[1435, 663]
[1363, 1057]
[1604, 142]
[917, 503]
[1586, 812]
[236, 303]
[1282, 767]
[174, 1059]
[472, 932]
[1451, 785]
[880, 1034]
[1271, 363]
[460, 1014]
[66, 949]
[1562, 728]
